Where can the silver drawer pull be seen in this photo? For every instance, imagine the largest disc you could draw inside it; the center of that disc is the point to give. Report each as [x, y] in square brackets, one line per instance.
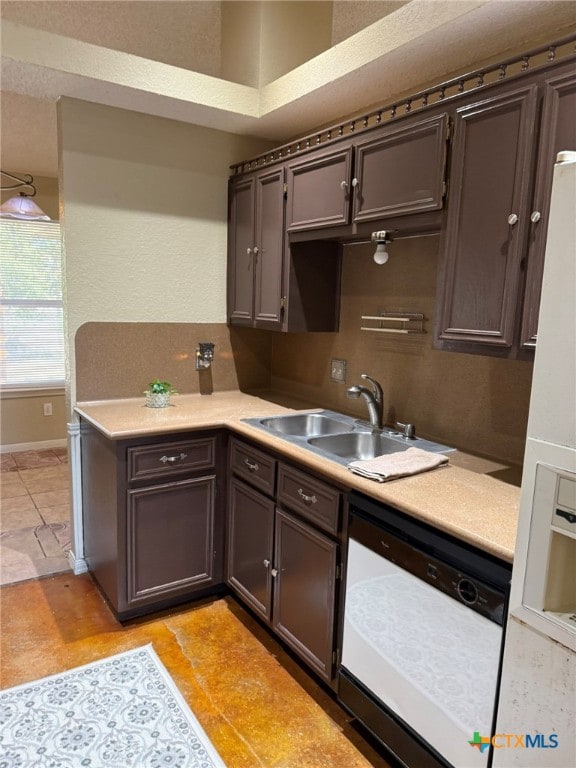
[266, 563]
[307, 499]
[252, 466]
[172, 459]
[274, 573]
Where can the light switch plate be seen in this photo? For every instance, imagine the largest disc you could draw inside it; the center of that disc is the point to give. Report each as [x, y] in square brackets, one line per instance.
[338, 370]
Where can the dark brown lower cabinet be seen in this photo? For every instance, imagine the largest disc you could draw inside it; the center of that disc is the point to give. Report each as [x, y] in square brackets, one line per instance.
[250, 545]
[305, 591]
[153, 518]
[170, 539]
[279, 560]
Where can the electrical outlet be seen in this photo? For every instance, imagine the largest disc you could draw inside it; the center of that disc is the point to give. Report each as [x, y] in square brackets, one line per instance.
[47, 409]
[338, 370]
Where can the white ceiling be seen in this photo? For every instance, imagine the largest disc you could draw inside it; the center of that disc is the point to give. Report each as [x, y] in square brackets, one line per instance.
[420, 42]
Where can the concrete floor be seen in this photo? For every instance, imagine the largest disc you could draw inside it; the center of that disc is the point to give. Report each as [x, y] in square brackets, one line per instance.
[258, 706]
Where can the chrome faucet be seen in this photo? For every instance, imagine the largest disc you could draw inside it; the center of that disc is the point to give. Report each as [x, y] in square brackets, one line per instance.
[374, 399]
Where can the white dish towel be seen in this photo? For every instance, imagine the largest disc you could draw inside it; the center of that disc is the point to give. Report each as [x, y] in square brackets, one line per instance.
[399, 464]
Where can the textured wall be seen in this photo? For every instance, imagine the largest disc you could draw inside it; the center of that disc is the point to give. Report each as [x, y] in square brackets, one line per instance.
[349, 18]
[184, 34]
[144, 217]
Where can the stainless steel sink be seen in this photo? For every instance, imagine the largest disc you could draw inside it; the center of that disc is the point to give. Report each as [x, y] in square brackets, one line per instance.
[338, 437]
[306, 424]
[358, 445]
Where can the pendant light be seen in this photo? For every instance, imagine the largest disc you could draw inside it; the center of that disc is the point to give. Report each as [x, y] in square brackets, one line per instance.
[21, 206]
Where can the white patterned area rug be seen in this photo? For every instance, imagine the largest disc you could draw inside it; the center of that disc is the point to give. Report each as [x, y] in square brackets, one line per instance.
[121, 712]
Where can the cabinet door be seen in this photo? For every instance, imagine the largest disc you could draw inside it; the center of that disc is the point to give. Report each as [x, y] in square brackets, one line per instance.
[250, 541]
[486, 224]
[305, 592]
[169, 534]
[401, 171]
[558, 133]
[269, 249]
[241, 252]
[319, 191]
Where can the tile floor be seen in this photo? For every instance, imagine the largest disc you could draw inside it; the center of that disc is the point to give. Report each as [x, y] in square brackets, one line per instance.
[34, 514]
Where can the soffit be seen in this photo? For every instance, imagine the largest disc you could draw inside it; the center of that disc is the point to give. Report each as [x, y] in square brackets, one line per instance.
[419, 43]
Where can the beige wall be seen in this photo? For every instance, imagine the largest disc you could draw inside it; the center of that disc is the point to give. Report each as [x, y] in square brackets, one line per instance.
[144, 218]
[348, 18]
[292, 33]
[184, 34]
[22, 420]
[472, 402]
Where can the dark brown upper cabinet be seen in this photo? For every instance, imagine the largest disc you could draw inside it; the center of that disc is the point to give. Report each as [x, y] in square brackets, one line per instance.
[398, 170]
[401, 170]
[319, 190]
[256, 250]
[558, 133]
[504, 151]
[486, 226]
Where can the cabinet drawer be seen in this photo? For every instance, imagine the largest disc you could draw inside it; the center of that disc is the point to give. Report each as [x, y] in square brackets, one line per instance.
[252, 465]
[160, 460]
[314, 500]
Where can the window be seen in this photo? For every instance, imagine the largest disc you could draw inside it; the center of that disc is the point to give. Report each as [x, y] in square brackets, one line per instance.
[31, 318]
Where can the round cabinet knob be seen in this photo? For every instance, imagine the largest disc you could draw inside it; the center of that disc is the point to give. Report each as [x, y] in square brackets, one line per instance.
[354, 182]
[535, 217]
[513, 219]
[274, 573]
[266, 563]
[249, 251]
[256, 250]
[344, 185]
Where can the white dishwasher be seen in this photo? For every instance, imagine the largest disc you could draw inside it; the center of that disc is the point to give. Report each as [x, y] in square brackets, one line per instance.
[422, 639]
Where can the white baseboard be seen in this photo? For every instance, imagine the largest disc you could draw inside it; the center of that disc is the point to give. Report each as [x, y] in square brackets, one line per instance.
[78, 565]
[38, 446]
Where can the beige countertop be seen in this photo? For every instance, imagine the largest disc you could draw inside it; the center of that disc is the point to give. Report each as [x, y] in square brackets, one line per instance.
[464, 498]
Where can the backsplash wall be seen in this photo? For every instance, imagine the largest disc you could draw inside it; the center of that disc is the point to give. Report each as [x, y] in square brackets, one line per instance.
[115, 360]
[472, 402]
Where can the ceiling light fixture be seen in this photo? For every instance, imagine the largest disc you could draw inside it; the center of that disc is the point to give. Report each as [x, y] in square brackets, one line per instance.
[22, 206]
[381, 238]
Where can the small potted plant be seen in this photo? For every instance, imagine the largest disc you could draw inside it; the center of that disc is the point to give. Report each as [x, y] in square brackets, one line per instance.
[158, 394]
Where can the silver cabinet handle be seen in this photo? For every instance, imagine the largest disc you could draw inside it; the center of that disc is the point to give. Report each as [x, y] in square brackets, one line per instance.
[252, 466]
[307, 499]
[274, 573]
[172, 459]
[256, 250]
[249, 251]
[513, 219]
[266, 563]
[535, 217]
[355, 182]
[343, 185]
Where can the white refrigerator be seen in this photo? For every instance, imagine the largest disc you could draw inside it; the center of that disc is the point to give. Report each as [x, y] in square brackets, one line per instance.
[536, 720]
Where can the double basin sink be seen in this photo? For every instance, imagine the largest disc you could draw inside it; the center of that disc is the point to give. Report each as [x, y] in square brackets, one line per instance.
[341, 438]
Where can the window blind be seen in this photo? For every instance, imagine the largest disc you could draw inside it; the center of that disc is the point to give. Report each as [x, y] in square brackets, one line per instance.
[31, 317]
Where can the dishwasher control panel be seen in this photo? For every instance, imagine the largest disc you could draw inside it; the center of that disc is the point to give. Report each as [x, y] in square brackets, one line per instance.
[469, 576]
